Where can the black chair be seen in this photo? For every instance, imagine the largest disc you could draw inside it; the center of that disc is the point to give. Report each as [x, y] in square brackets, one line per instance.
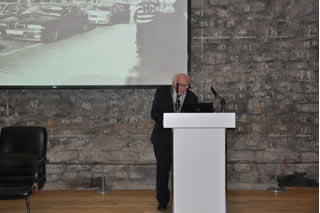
[22, 162]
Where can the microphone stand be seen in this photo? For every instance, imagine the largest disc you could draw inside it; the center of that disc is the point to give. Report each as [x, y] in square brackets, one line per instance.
[177, 98]
[223, 104]
[222, 100]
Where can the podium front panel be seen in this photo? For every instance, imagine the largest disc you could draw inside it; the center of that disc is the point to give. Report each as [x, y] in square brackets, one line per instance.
[199, 170]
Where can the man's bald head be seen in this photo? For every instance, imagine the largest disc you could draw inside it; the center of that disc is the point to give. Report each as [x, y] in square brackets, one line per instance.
[183, 81]
[182, 77]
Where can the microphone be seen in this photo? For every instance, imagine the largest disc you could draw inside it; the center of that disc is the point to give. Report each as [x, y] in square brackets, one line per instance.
[214, 92]
[222, 100]
[177, 98]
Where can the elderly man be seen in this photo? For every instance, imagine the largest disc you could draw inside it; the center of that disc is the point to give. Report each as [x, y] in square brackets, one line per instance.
[167, 99]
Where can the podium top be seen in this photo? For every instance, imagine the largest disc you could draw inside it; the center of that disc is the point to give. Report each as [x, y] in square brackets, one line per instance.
[199, 120]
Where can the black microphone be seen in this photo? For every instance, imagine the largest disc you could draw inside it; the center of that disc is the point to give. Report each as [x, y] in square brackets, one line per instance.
[214, 92]
[222, 100]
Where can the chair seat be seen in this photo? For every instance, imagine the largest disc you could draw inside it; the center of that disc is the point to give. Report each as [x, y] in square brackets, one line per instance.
[17, 164]
[15, 192]
[16, 175]
[16, 180]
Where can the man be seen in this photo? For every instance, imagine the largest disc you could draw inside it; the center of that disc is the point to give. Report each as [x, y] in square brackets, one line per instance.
[143, 17]
[162, 39]
[167, 99]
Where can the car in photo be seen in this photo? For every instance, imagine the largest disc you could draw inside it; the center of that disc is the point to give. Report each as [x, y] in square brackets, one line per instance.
[8, 9]
[120, 9]
[120, 12]
[46, 23]
[111, 3]
[99, 14]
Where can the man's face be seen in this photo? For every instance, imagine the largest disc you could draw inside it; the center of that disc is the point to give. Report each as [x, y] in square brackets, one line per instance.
[183, 84]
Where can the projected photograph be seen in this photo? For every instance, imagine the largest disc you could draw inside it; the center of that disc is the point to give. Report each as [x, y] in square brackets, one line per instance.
[92, 42]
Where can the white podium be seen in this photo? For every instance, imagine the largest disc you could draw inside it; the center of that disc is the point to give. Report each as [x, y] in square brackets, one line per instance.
[199, 160]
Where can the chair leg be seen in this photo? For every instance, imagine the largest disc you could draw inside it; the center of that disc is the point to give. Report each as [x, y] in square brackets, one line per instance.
[28, 204]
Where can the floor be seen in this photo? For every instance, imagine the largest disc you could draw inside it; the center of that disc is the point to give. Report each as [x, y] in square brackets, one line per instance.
[293, 200]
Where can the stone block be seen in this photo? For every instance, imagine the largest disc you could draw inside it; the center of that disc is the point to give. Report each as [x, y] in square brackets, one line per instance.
[310, 156]
[241, 156]
[309, 108]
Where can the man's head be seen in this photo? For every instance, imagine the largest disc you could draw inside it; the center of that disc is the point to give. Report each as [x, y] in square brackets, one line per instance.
[183, 81]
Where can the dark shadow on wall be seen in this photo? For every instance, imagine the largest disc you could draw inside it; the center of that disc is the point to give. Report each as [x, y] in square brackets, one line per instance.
[297, 179]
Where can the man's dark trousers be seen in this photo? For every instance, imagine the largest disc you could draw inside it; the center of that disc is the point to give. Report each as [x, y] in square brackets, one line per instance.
[163, 153]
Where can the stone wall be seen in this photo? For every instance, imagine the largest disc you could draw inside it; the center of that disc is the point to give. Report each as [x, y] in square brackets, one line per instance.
[261, 55]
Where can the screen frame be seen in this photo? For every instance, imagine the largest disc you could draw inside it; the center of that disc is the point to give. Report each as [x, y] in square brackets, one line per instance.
[114, 86]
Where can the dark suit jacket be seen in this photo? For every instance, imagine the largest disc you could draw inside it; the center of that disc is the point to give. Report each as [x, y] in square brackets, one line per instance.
[162, 102]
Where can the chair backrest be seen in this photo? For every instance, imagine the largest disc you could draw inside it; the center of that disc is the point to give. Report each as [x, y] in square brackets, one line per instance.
[24, 139]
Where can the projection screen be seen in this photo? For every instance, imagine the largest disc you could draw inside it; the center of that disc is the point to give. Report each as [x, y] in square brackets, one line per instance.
[92, 42]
